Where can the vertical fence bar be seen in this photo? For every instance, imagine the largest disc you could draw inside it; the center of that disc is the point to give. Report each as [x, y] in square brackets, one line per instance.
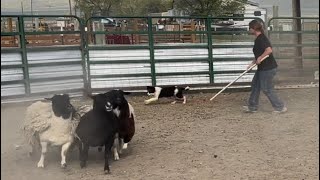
[210, 58]
[85, 66]
[151, 50]
[24, 56]
[85, 52]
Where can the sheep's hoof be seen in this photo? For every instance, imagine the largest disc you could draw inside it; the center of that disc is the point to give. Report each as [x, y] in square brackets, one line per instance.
[31, 154]
[63, 166]
[107, 172]
[40, 165]
[116, 157]
[125, 146]
[99, 149]
[82, 164]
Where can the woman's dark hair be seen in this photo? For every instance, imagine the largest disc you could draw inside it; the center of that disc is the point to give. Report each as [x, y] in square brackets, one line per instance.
[256, 25]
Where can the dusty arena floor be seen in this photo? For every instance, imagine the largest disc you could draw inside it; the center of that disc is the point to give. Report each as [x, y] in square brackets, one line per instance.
[201, 140]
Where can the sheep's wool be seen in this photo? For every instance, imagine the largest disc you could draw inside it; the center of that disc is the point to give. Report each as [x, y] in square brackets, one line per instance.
[39, 117]
[84, 109]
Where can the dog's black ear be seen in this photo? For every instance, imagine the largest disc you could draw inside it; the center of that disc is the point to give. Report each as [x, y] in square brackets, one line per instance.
[126, 93]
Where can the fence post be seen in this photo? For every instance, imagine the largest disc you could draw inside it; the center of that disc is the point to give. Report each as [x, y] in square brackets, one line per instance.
[151, 50]
[210, 58]
[84, 57]
[296, 12]
[24, 56]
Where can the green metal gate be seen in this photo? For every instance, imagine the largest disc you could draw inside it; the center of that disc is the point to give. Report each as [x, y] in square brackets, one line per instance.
[129, 53]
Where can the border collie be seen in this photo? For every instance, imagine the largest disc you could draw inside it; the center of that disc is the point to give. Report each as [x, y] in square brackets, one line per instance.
[168, 91]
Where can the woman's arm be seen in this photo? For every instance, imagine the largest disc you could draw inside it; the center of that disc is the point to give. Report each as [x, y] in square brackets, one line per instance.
[266, 52]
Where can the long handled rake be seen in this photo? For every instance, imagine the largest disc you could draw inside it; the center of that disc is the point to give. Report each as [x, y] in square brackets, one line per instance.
[251, 67]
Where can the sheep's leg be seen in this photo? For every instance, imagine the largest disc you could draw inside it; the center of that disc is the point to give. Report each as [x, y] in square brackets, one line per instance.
[107, 146]
[64, 150]
[83, 154]
[121, 145]
[43, 154]
[115, 147]
[99, 148]
[125, 146]
[32, 151]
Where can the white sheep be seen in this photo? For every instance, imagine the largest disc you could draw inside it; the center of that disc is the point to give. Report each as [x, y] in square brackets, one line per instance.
[51, 123]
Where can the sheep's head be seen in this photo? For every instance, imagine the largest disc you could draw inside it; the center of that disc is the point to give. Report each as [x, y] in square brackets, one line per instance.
[61, 105]
[110, 100]
[117, 98]
[101, 102]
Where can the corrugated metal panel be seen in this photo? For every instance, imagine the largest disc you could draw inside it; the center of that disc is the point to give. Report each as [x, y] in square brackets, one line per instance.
[181, 79]
[111, 55]
[11, 59]
[115, 69]
[53, 56]
[122, 68]
[181, 67]
[231, 66]
[38, 87]
[55, 71]
[42, 72]
[129, 68]
[227, 78]
[120, 82]
[15, 89]
[11, 74]
[180, 53]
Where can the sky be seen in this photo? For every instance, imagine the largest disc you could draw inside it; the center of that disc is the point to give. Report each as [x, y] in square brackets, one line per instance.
[308, 7]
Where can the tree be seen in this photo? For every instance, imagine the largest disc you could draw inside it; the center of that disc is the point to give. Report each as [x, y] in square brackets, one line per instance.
[209, 7]
[142, 7]
[96, 7]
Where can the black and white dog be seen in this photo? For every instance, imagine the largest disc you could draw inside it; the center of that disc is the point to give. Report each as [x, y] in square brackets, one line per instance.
[168, 91]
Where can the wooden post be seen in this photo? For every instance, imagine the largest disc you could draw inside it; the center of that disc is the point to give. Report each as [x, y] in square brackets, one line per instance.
[135, 28]
[192, 28]
[11, 30]
[10, 24]
[296, 12]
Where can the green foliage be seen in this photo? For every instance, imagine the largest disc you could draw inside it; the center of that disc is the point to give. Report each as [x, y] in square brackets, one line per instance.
[209, 7]
[96, 7]
[145, 7]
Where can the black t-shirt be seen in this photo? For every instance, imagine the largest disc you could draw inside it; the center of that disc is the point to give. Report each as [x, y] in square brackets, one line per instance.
[260, 45]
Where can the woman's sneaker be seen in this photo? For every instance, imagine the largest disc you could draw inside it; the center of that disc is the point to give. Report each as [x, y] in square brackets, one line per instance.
[284, 109]
[247, 110]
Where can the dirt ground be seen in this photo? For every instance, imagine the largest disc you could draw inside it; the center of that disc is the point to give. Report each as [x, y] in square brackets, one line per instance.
[199, 140]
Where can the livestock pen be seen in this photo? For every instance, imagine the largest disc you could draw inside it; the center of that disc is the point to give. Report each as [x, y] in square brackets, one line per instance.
[34, 69]
[201, 139]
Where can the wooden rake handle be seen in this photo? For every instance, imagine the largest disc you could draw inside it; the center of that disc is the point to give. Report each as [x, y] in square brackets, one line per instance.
[251, 67]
